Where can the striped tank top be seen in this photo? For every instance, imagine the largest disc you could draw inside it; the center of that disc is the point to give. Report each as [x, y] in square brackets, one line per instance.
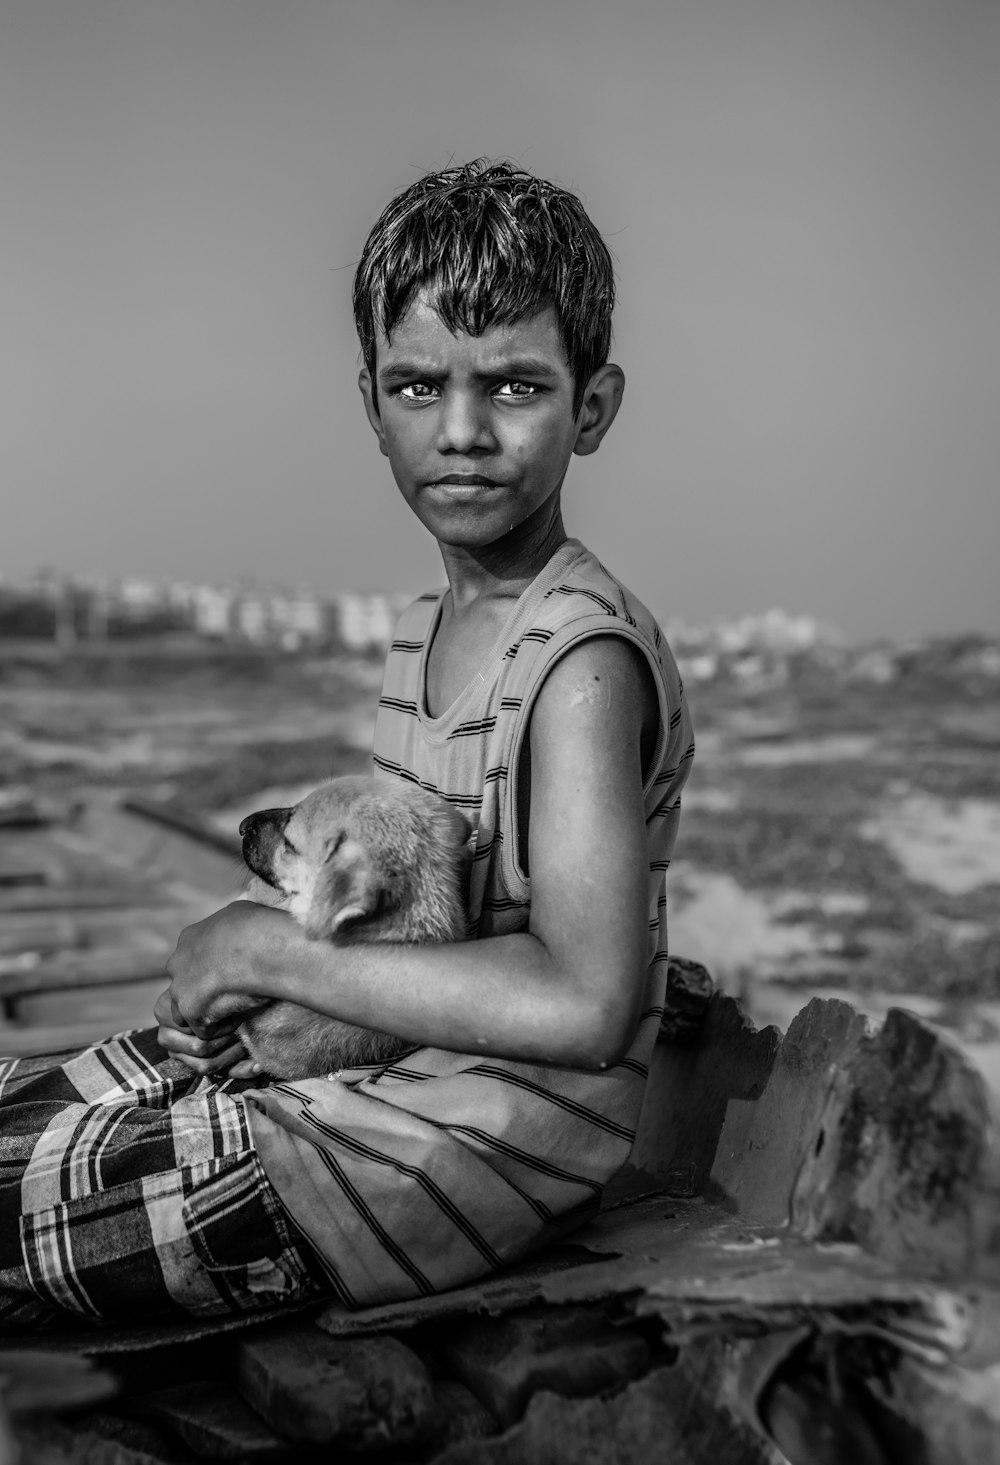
[430, 1172]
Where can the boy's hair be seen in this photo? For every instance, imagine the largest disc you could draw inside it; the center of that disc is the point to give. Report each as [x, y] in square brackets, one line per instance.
[494, 244]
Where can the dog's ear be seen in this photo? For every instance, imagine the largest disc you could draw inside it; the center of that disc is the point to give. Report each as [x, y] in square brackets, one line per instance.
[347, 889]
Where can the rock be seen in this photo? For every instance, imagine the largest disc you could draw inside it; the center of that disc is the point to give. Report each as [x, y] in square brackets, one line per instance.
[816, 1412]
[460, 1415]
[364, 1393]
[666, 1416]
[214, 1421]
[51, 1383]
[685, 1003]
[954, 1413]
[572, 1351]
[101, 1439]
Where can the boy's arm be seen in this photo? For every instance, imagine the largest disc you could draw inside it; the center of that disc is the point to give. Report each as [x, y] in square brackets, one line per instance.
[567, 991]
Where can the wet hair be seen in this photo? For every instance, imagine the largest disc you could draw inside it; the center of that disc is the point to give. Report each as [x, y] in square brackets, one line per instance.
[493, 245]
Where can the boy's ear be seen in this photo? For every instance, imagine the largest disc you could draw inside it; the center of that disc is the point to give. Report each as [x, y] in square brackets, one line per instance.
[367, 389]
[600, 407]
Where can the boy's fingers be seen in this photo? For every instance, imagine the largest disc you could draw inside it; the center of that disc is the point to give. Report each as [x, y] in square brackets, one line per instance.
[204, 1067]
[246, 1068]
[168, 1015]
[176, 1018]
[163, 1011]
[225, 1028]
[201, 1047]
[189, 1045]
[207, 1031]
[219, 1061]
[224, 1060]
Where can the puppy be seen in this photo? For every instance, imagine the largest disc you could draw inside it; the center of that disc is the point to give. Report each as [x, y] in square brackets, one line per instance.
[358, 860]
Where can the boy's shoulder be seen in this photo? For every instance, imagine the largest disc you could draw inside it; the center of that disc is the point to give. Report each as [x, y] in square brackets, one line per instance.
[586, 585]
[574, 596]
[588, 599]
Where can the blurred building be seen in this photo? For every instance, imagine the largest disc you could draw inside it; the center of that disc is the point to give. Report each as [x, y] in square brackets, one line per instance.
[365, 623]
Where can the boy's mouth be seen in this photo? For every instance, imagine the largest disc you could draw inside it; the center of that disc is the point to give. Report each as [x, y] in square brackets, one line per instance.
[465, 480]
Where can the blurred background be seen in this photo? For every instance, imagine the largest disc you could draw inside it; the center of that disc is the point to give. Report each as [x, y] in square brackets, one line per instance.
[202, 552]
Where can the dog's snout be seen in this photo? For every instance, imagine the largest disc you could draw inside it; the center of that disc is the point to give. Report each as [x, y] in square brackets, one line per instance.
[258, 823]
[261, 833]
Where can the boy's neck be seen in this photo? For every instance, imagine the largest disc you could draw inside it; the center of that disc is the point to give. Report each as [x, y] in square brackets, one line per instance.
[503, 570]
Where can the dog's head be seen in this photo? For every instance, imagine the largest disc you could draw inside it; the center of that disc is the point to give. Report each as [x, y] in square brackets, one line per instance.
[353, 850]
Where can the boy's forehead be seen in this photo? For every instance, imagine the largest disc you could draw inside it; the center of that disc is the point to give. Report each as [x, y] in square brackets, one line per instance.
[420, 335]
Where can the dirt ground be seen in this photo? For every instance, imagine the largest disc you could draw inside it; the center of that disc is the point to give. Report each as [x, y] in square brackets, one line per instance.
[849, 845]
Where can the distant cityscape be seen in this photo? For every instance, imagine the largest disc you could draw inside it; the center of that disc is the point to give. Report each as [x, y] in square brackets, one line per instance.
[758, 651]
[72, 610]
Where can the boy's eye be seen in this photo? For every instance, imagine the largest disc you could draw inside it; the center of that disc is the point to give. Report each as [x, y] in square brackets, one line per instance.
[418, 392]
[516, 389]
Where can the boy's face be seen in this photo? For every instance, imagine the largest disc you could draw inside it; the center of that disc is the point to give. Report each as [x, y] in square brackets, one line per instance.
[479, 430]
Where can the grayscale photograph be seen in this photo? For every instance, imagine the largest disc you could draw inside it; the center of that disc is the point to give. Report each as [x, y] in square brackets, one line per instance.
[500, 732]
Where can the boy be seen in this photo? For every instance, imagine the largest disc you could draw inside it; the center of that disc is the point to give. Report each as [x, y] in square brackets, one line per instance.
[536, 694]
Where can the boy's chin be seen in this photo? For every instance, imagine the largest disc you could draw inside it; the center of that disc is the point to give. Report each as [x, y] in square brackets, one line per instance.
[473, 536]
[474, 527]
[466, 530]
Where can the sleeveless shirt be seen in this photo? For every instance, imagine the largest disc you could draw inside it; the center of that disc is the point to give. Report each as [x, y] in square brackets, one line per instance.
[429, 1172]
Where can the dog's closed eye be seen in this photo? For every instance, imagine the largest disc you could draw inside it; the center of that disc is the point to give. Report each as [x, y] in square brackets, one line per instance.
[334, 845]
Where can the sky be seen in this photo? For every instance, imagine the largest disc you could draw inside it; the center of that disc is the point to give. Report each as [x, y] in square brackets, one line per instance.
[802, 198]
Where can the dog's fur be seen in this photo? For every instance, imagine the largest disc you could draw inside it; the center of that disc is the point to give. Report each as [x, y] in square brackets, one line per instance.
[358, 860]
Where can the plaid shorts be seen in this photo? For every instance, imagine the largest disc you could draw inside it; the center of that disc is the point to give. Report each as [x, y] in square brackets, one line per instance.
[130, 1190]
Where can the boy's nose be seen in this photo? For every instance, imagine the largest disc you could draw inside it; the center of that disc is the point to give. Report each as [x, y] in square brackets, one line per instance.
[464, 425]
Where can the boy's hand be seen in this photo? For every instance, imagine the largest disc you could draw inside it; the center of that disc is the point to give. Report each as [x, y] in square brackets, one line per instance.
[213, 968]
[201, 1055]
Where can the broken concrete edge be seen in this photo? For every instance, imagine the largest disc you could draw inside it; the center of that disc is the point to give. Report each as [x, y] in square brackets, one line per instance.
[906, 1156]
[885, 1136]
[689, 1090]
[766, 1135]
[699, 1269]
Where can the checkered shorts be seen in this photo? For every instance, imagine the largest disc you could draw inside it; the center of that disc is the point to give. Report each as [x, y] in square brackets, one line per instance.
[130, 1189]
